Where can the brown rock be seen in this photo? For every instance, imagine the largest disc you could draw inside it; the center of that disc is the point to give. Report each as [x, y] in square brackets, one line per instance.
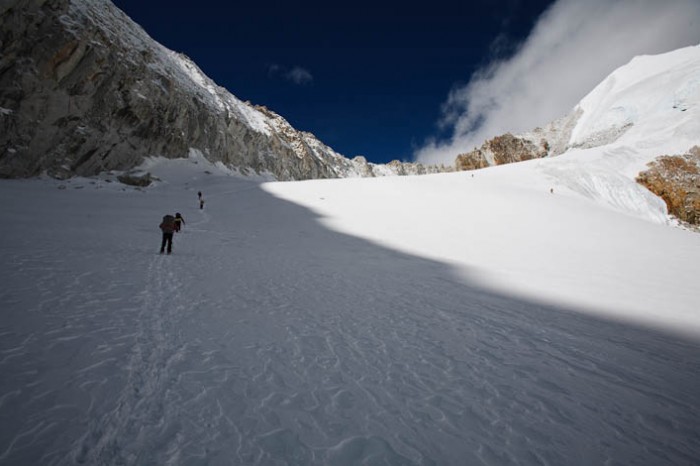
[676, 179]
[502, 150]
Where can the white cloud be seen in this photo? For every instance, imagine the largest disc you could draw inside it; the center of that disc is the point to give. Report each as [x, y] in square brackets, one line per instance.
[296, 74]
[574, 45]
[299, 75]
[273, 70]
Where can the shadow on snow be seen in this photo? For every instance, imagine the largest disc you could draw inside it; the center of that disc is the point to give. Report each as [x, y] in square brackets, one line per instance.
[269, 339]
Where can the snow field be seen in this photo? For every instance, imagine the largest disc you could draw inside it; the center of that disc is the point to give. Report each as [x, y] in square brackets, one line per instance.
[558, 231]
[268, 338]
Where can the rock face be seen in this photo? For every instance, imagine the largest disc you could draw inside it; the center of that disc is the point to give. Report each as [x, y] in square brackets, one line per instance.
[501, 150]
[676, 179]
[549, 141]
[83, 89]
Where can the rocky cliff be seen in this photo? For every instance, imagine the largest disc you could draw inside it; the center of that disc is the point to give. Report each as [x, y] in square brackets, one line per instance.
[550, 140]
[676, 180]
[501, 150]
[83, 89]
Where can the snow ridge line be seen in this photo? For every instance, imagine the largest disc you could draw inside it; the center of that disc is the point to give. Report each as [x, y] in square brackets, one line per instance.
[141, 410]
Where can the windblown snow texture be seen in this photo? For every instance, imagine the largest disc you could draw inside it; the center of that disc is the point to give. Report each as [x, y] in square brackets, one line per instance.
[267, 338]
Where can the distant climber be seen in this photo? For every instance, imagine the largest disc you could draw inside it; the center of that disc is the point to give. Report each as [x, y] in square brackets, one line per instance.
[179, 221]
[201, 200]
[167, 226]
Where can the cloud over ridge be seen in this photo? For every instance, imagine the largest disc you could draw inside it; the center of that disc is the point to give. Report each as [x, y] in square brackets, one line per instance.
[574, 45]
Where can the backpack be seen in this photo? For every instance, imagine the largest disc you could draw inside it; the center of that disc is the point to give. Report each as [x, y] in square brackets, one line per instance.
[168, 223]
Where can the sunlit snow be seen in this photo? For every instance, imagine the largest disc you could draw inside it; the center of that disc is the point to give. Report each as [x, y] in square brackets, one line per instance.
[538, 313]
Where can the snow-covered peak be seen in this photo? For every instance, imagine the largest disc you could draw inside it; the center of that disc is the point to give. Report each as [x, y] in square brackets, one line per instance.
[656, 99]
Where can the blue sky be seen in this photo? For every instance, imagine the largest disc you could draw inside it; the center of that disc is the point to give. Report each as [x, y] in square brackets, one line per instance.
[390, 80]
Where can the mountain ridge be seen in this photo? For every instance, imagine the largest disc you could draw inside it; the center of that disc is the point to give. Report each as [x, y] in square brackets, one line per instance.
[95, 93]
[649, 90]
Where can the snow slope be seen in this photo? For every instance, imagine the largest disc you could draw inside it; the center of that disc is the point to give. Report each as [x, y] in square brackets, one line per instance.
[538, 313]
[506, 231]
[551, 229]
[268, 338]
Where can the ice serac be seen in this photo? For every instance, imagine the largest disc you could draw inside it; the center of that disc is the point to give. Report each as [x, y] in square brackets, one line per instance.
[83, 89]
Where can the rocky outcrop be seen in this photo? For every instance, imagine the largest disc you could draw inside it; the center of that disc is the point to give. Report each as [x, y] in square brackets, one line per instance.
[84, 90]
[550, 140]
[501, 150]
[676, 179]
[136, 179]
